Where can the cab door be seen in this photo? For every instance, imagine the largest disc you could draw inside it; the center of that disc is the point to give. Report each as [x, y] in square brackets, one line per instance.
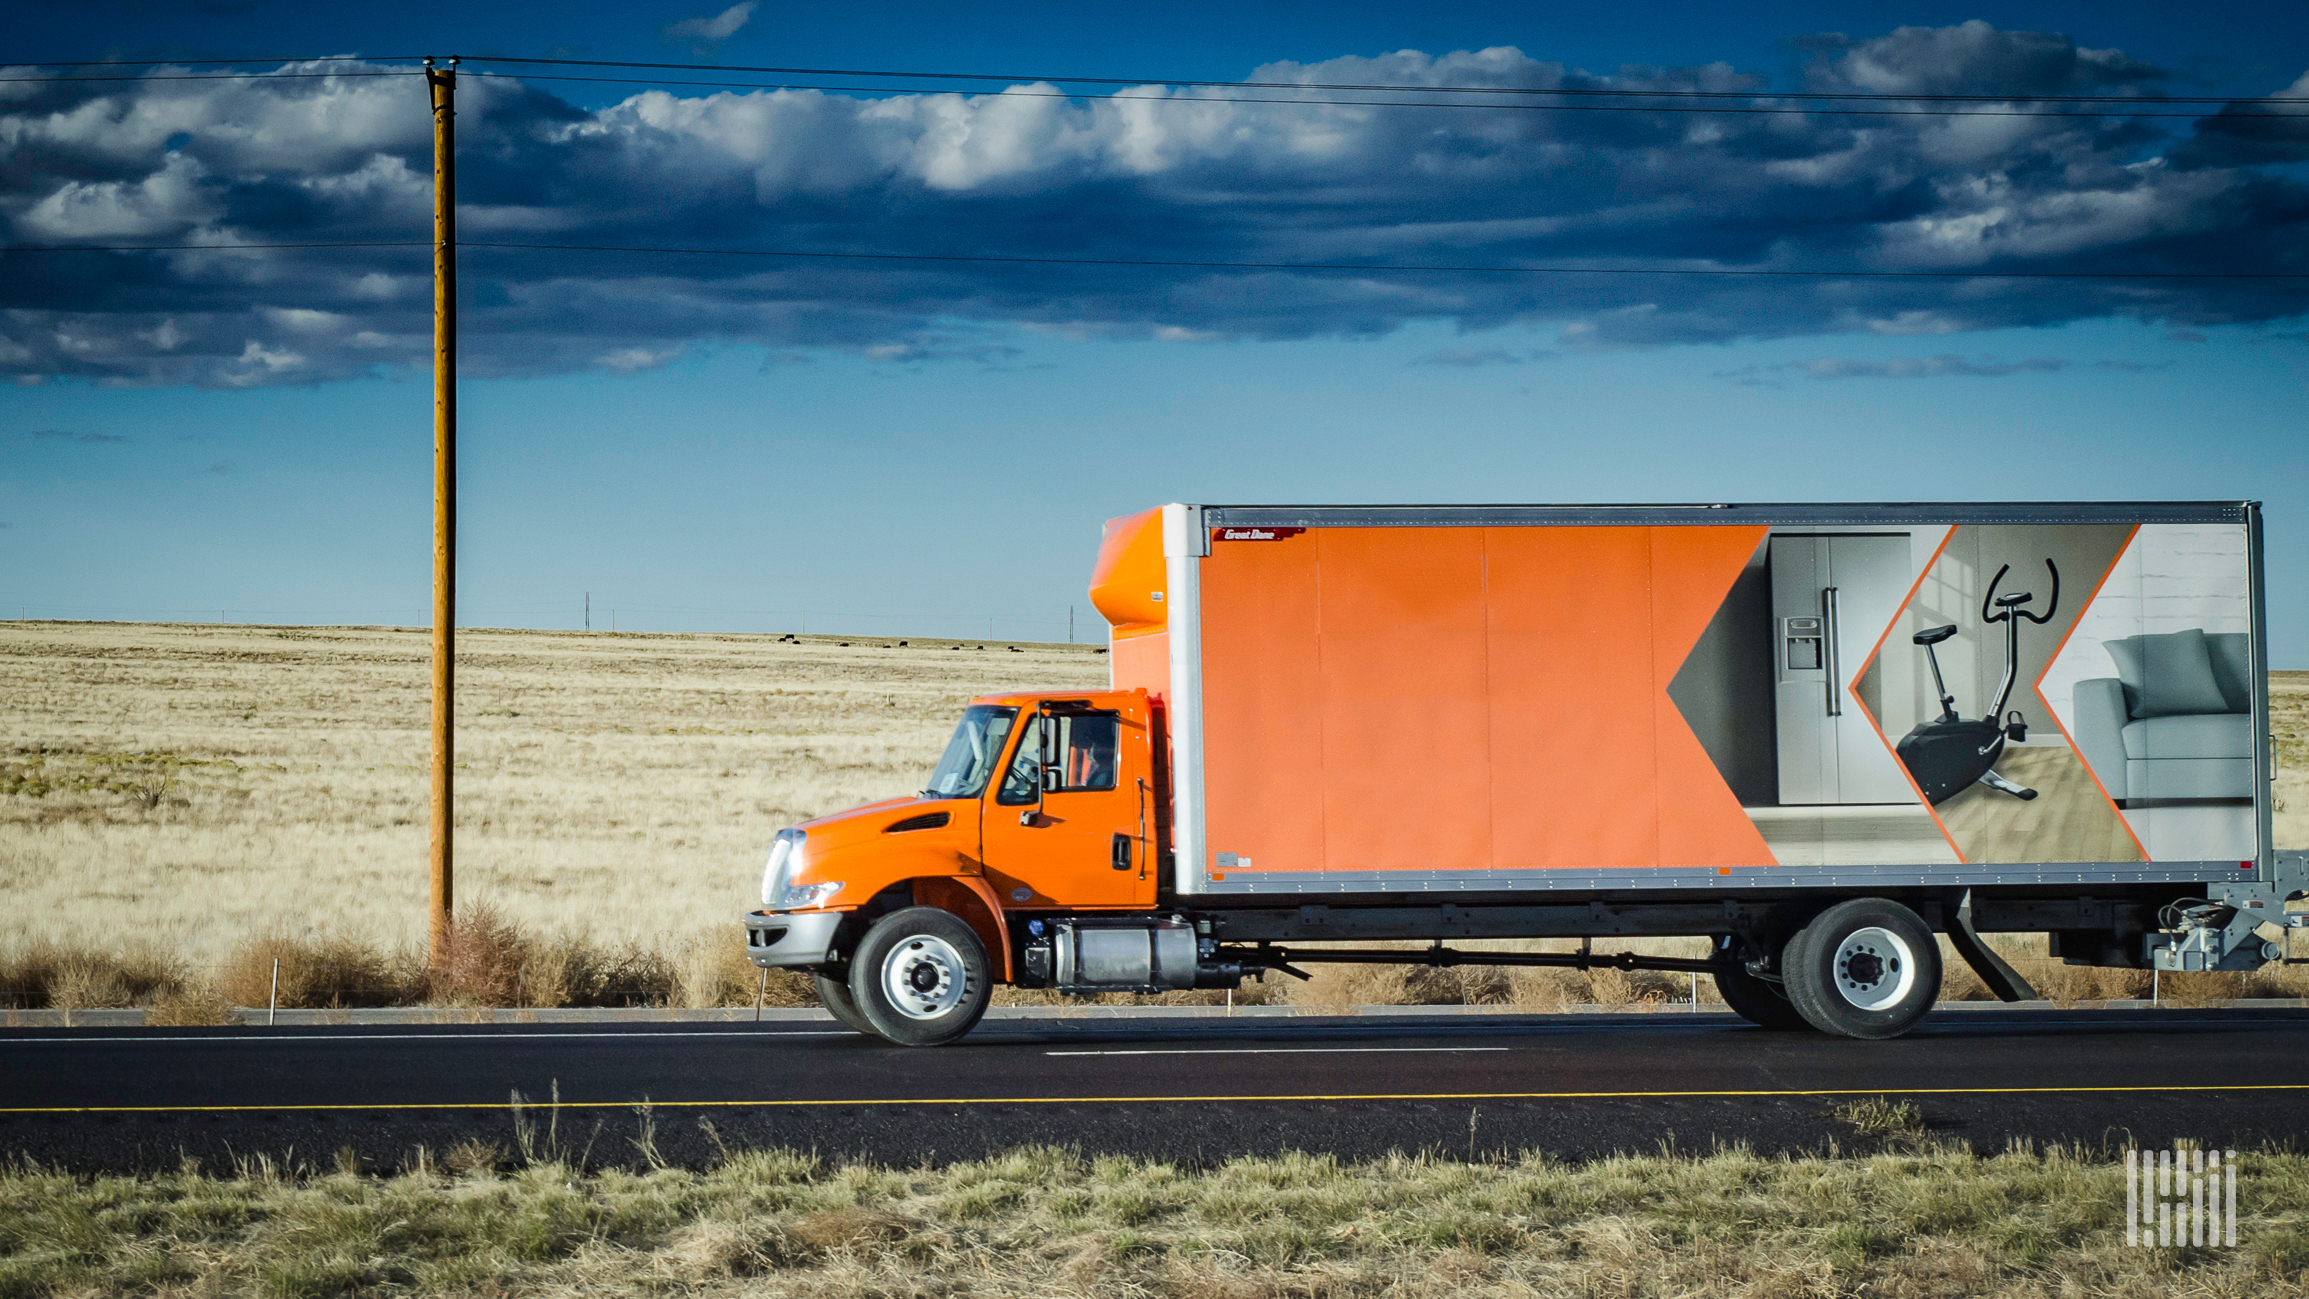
[1071, 822]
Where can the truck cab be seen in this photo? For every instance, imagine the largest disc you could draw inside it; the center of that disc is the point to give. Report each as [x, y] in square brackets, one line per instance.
[1040, 804]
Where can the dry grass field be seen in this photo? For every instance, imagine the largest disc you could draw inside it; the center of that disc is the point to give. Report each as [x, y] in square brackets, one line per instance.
[193, 785]
[1903, 1216]
[186, 801]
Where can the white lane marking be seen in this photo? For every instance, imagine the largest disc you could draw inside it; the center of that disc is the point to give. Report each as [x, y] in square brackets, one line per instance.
[417, 1037]
[1288, 1050]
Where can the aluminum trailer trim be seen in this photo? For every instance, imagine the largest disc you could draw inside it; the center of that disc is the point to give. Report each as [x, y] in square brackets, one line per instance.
[1791, 514]
[1185, 542]
[1680, 879]
[2257, 649]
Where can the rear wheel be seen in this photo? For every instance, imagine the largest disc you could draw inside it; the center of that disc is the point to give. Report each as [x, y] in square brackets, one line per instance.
[1866, 968]
[834, 995]
[1755, 999]
[920, 977]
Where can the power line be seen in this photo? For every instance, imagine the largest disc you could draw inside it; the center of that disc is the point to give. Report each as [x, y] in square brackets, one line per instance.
[1400, 103]
[179, 248]
[141, 78]
[199, 63]
[1375, 266]
[1822, 96]
[1215, 265]
[1381, 86]
[1014, 93]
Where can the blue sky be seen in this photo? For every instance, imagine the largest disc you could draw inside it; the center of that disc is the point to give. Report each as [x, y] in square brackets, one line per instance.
[907, 449]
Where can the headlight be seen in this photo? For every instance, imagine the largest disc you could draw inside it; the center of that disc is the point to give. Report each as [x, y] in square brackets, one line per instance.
[785, 858]
[779, 893]
[797, 896]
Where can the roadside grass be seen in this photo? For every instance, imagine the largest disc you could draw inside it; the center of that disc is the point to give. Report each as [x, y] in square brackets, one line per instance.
[494, 963]
[1927, 1220]
[490, 962]
[1879, 1116]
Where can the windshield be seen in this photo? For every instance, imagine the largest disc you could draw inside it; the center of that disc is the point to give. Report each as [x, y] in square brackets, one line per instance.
[972, 753]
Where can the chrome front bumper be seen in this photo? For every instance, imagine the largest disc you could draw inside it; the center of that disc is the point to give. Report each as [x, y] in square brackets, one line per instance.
[784, 938]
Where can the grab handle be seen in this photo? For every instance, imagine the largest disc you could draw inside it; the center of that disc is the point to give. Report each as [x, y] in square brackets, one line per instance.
[1831, 633]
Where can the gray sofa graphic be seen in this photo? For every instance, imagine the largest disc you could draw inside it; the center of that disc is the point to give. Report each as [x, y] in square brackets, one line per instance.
[2175, 722]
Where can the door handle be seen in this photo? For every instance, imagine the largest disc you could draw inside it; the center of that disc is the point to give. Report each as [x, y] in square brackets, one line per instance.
[1122, 844]
[1831, 633]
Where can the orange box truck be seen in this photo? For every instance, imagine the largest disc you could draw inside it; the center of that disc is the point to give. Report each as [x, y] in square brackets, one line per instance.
[1815, 734]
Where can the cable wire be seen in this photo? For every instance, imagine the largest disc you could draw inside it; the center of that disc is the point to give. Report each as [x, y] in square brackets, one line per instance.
[1198, 265]
[1380, 86]
[1374, 87]
[179, 248]
[1375, 266]
[199, 63]
[526, 77]
[210, 76]
[1015, 93]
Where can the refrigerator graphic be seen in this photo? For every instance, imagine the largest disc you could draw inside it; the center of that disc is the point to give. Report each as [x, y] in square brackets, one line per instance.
[1832, 596]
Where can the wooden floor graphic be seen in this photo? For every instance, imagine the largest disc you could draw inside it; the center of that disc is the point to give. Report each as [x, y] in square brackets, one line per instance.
[2068, 820]
[1872, 834]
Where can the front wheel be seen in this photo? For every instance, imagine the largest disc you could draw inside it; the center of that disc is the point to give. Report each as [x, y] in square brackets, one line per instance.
[1866, 968]
[920, 977]
[834, 995]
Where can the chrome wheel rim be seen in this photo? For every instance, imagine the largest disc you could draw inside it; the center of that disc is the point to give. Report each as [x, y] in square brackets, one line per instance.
[923, 977]
[1874, 968]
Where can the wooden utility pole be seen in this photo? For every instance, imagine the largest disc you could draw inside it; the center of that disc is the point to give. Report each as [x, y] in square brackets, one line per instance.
[443, 85]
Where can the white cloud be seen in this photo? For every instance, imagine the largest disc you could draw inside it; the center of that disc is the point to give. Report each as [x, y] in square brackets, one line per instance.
[160, 202]
[633, 360]
[260, 365]
[1184, 175]
[706, 36]
[1471, 357]
[1928, 367]
[1945, 365]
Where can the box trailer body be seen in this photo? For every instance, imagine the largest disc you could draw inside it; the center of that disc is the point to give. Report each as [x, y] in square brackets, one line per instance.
[1755, 723]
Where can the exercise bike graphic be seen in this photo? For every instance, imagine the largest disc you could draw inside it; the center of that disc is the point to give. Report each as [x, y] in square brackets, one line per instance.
[1950, 752]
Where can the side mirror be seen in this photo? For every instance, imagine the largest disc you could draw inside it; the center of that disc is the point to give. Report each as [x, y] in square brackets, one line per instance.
[1050, 780]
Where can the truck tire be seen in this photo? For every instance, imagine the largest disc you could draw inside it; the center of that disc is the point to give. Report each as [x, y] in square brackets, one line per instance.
[834, 995]
[1757, 1001]
[1867, 968]
[920, 977]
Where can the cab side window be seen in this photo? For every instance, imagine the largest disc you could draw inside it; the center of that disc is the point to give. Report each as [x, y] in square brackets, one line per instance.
[1086, 750]
[1018, 783]
[1080, 750]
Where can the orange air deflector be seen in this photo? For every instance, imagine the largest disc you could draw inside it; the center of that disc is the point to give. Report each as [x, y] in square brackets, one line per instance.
[1127, 585]
[1127, 588]
[1441, 699]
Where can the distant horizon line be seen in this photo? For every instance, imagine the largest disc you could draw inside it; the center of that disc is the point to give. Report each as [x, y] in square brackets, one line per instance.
[836, 638]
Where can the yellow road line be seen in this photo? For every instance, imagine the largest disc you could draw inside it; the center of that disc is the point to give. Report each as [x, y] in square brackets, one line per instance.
[1159, 1100]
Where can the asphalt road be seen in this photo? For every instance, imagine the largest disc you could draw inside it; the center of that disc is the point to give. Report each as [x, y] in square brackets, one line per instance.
[1193, 1090]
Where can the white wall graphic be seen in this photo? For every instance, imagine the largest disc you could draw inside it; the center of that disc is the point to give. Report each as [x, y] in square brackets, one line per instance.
[2171, 578]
